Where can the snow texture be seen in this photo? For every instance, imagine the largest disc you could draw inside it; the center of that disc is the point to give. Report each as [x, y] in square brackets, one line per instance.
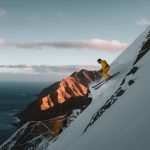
[118, 117]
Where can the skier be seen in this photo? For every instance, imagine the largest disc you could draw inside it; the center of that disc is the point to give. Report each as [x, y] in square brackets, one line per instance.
[105, 68]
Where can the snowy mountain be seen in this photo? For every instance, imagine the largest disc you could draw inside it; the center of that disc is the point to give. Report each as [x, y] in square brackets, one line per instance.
[53, 110]
[118, 116]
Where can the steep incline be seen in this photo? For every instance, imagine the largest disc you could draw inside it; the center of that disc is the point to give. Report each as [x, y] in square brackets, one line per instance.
[118, 117]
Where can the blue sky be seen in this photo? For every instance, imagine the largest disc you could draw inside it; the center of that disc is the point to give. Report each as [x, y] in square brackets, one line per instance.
[68, 32]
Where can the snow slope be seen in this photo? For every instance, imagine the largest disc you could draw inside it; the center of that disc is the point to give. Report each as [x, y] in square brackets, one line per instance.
[118, 117]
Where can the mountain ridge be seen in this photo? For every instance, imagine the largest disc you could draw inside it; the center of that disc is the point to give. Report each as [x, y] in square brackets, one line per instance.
[74, 86]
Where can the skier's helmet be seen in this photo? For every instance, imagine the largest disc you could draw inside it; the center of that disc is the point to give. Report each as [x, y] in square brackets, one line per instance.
[99, 60]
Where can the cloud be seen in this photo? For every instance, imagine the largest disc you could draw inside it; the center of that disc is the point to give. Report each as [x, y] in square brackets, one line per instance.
[2, 42]
[3, 12]
[39, 73]
[97, 44]
[60, 14]
[34, 19]
[45, 69]
[143, 22]
[90, 44]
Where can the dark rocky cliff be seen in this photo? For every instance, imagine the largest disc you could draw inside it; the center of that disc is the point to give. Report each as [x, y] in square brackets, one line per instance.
[48, 102]
[53, 110]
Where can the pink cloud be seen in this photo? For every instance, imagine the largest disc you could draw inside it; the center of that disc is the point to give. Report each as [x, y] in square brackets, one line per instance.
[90, 44]
[2, 42]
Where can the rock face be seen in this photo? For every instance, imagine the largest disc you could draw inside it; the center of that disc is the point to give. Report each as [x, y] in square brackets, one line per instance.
[32, 133]
[72, 87]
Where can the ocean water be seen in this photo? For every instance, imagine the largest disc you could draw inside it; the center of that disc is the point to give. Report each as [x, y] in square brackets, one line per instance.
[14, 97]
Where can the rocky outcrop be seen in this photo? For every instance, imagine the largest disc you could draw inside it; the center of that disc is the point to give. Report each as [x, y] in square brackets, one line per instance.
[32, 133]
[54, 109]
[70, 88]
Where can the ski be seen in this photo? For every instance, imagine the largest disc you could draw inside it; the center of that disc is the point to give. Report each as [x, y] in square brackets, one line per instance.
[97, 87]
[104, 81]
[98, 84]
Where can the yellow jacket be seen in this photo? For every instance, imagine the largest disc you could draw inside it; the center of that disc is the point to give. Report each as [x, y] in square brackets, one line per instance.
[104, 64]
[105, 69]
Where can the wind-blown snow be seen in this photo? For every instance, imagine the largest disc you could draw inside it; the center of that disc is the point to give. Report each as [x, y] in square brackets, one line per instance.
[125, 124]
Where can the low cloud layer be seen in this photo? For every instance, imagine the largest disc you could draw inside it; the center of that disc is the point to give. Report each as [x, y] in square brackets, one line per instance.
[44, 69]
[39, 73]
[143, 22]
[90, 44]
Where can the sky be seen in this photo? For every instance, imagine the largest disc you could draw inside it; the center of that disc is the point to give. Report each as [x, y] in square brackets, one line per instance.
[68, 32]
